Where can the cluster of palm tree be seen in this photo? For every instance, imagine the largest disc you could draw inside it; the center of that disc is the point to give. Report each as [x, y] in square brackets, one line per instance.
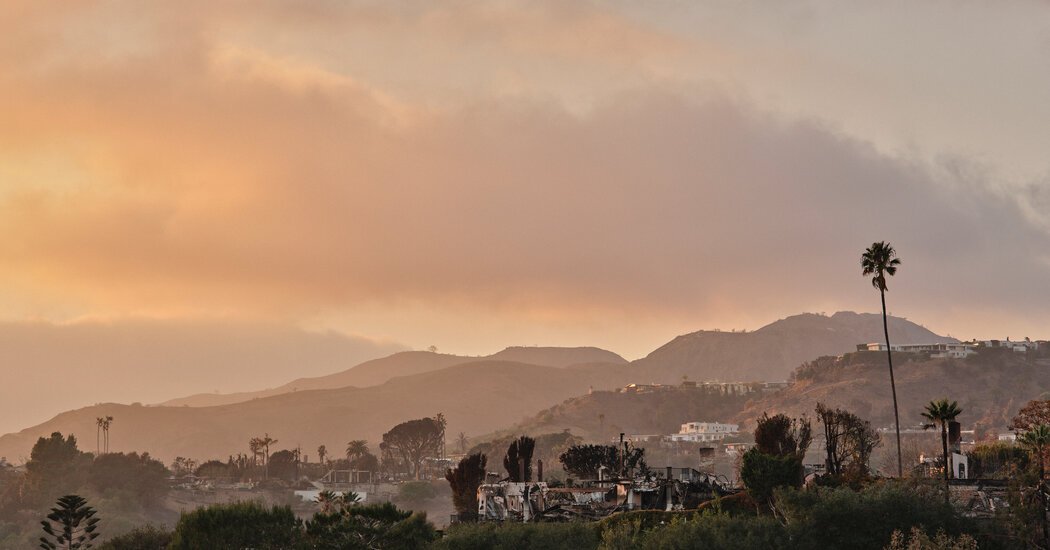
[102, 424]
[260, 447]
[942, 413]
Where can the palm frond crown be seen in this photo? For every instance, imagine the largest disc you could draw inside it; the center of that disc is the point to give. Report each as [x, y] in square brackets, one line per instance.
[879, 260]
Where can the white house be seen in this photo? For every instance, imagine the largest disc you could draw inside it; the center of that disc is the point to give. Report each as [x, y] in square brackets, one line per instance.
[953, 350]
[705, 431]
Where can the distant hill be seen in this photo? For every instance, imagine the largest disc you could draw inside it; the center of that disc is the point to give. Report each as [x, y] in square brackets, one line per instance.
[557, 357]
[476, 397]
[50, 367]
[481, 395]
[407, 363]
[773, 351]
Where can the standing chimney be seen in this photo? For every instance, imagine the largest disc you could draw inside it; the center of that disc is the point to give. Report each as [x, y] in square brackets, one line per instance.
[623, 457]
[669, 486]
[539, 470]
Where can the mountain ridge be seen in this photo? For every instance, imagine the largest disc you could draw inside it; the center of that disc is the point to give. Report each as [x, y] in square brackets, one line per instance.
[378, 371]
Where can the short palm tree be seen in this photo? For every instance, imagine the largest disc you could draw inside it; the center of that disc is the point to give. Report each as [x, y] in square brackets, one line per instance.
[880, 261]
[349, 498]
[327, 500]
[1037, 440]
[943, 413]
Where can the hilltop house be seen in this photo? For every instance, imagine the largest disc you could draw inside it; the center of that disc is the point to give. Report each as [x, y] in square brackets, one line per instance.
[704, 431]
[936, 351]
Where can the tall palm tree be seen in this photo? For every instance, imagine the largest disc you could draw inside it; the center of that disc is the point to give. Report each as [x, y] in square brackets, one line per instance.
[880, 260]
[463, 443]
[98, 434]
[1037, 440]
[322, 452]
[943, 413]
[105, 431]
[265, 443]
[254, 445]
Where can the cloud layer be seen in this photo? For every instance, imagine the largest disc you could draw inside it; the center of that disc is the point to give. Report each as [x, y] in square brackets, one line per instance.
[462, 175]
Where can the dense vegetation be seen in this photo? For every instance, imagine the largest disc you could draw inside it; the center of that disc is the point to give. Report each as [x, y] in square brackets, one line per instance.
[126, 489]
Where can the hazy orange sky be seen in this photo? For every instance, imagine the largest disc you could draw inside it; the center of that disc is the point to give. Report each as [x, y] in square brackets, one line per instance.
[475, 175]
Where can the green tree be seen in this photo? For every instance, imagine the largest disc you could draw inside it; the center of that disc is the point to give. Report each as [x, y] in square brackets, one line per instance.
[825, 517]
[367, 462]
[519, 452]
[55, 467]
[521, 536]
[136, 480]
[147, 537]
[943, 413]
[763, 473]
[918, 540]
[70, 525]
[584, 461]
[367, 527]
[214, 469]
[1037, 440]
[413, 441]
[880, 260]
[237, 525]
[464, 480]
[780, 435]
[282, 464]
[413, 494]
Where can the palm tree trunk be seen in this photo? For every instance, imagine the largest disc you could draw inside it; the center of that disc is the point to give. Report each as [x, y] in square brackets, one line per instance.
[893, 385]
[1042, 499]
[944, 445]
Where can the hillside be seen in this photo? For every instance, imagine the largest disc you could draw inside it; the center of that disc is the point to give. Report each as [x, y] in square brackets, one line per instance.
[477, 397]
[602, 415]
[990, 387]
[378, 371]
[773, 351]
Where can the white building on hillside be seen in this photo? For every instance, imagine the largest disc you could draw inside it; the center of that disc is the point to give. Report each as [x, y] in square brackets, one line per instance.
[953, 350]
[705, 431]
